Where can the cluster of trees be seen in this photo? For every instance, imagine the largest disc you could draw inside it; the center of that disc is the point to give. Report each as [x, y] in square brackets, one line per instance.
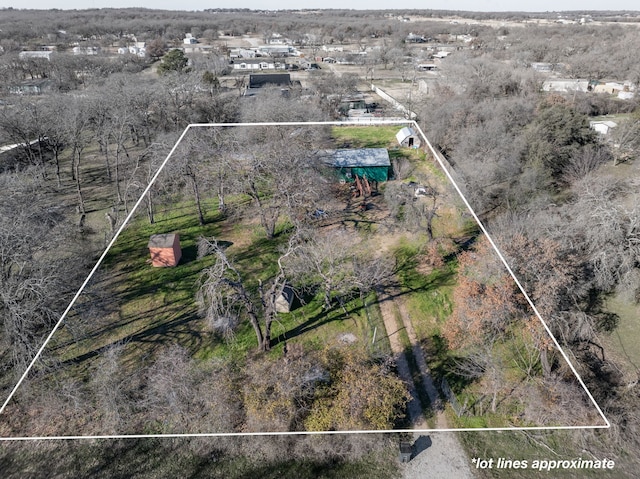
[548, 190]
[277, 177]
[490, 312]
[119, 124]
[338, 388]
[41, 261]
[66, 72]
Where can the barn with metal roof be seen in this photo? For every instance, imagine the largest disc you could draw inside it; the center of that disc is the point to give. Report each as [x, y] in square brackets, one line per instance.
[370, 163]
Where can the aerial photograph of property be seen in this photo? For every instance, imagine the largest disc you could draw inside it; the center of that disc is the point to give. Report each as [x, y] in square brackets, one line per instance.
[319, 243]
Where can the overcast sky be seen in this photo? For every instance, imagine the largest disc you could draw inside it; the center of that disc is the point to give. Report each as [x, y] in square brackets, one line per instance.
[470, 5]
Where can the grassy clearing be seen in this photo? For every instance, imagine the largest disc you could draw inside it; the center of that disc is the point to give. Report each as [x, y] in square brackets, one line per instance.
[625, 338]
[428, 297]
[149, 306]
[155, 306]
[152, 307]
[365, 137]
[311, 326]
[530, 446]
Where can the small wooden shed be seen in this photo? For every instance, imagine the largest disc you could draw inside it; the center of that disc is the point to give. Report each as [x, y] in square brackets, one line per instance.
[165, 249]
[285, 300]
[407, 137]
[406, 451]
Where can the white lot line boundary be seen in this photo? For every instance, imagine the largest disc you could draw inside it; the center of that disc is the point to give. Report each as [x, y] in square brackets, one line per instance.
[141, 199]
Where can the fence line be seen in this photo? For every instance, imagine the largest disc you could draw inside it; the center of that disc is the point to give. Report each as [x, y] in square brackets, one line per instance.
[385, 96]
[451, 397]
[373, 119]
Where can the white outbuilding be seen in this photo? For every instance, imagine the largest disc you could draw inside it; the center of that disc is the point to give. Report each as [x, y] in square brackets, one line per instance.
[603, 127]
[407, 137]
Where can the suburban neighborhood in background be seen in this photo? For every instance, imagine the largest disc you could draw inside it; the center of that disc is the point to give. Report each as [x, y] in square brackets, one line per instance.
[287, 253]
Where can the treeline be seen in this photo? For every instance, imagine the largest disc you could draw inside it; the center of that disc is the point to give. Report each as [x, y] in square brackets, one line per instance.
[51, 193]
[548, 189]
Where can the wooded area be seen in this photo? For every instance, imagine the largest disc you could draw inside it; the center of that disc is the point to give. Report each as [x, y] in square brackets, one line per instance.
[202, 347]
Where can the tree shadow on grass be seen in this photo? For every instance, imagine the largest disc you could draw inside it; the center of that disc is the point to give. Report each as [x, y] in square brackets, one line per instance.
[412, 280]
[316, 321]
[443, 363]
[189, 254]
[159, 281]
[168, 332]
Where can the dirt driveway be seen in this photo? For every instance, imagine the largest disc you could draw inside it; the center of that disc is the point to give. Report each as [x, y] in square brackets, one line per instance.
[436, 454]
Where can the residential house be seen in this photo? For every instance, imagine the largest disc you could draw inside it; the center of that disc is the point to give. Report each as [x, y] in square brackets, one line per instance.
[608, 87]
[198, 48]
[31, 87]
[278, 51]
[603, 127]
[137, 50]
[566, 86]
[542, 67]
[251, 64]
[277, 39]
[241, 53]
[78, 50]
[309, 65]
[46, 54]
[413, 38]
[260, 80]
[615, 88]
[329, 48]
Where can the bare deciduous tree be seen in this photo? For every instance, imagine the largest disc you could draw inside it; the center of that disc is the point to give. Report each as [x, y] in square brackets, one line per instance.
[224, 299]
[281, 175]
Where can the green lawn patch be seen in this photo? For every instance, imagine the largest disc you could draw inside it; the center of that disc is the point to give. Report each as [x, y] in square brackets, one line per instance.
[365, 136]
[625, 338]
[152, 307]
[428, 296]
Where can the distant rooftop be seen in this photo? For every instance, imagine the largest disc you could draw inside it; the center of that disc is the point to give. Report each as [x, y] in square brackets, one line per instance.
[260, 79]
